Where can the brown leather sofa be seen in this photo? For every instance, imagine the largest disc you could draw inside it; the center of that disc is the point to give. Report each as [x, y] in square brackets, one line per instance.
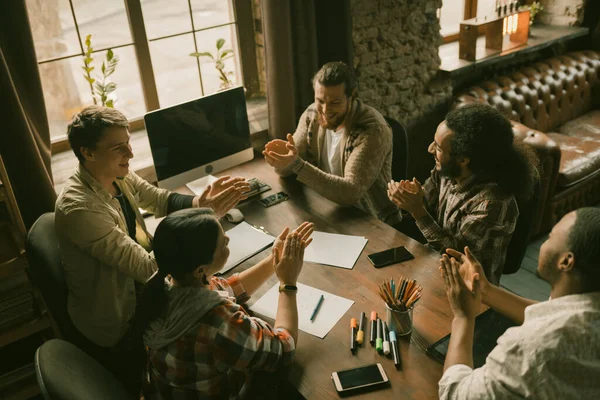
[555, 107]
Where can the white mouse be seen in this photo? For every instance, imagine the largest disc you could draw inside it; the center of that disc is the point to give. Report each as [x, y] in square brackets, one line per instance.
[234, 215]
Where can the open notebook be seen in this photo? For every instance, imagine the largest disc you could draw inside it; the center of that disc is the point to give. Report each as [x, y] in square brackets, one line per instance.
[244, 242]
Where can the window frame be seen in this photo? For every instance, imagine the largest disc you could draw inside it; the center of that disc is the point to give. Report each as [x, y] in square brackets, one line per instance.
[243, 20]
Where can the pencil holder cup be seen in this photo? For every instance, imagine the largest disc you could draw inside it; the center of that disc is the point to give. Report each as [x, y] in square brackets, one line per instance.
[400, 322]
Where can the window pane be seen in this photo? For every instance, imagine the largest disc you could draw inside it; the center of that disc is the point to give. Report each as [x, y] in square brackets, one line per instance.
[166, 17]
[66, 92]
[486, 9]
[451, 13]
[53, 29]
[175, 71]
[209, 13]
[105, 20]
[207, 42]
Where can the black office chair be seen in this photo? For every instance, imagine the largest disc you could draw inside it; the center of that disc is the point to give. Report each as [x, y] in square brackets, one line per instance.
[47, 274]
[522, 234]
[400, 149]
[64, 372]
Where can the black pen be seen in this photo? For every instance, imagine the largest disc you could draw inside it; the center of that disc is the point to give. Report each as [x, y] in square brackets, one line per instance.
[395, 350]
[379, 340]
[373, 327]
[352, 335]
[361, 333]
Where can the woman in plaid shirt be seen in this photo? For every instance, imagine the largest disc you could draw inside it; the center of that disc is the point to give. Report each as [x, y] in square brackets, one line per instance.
[201, 342]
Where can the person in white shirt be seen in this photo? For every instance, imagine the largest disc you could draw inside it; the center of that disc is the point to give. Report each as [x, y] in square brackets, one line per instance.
[555, 353]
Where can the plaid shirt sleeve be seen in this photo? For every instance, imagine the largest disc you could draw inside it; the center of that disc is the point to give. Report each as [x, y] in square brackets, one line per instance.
[431, 189]
[247, 343]
[486, 229]
[232, 285]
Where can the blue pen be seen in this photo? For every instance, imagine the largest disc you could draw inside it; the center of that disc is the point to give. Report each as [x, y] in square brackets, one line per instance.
[317, 307]
[393, 287]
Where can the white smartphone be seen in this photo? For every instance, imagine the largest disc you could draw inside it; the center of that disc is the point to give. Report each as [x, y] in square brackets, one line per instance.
[361, 377]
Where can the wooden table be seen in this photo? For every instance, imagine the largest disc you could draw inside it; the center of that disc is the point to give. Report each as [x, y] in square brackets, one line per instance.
[316, 358]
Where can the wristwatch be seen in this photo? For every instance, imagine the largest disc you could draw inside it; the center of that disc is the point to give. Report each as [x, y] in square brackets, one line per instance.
[288, 288]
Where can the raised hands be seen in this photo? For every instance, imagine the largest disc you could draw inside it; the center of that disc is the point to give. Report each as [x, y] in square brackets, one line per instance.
[469, 268]
[281, 154]
[288, 252]
[465, 302]
[407, 195]
[223, 194]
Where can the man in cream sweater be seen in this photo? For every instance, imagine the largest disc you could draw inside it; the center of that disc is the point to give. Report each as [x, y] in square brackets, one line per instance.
[342, 148]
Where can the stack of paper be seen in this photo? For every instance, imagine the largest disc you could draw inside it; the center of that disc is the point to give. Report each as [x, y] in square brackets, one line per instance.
[244, 242]
[332, 309]
[334, 249]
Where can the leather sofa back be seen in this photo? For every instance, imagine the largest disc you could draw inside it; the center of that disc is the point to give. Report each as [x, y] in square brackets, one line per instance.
[546, 94]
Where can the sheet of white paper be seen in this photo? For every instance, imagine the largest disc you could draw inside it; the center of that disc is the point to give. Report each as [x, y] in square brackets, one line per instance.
[332, 309]
[244, 242]
[335, 249]
[200, 184]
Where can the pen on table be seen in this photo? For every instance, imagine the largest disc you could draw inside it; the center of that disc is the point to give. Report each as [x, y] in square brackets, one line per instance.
[395, 351]
[352, 335]
[373, 327]
[361, 333]
[316, 309]
[379, 340]
[386, 339]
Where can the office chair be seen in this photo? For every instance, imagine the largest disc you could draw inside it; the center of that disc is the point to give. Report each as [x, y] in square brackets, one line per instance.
[523, 230]
[46, 272]
[400, 149]
[64, 372]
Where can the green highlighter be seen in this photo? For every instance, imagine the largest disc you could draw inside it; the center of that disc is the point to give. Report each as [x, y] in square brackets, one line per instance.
[379, 340]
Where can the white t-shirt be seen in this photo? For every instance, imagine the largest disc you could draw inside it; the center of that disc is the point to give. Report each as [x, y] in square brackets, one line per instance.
[331, 159]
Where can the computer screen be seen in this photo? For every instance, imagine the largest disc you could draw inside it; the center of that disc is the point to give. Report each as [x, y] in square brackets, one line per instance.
[203, 136]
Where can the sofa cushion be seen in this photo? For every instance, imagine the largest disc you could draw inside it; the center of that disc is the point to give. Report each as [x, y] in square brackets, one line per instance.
[580, 158]
[586, 126]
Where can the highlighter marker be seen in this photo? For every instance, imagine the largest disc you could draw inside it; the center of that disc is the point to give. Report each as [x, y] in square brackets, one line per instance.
[379, 340]
[352, 335]
[373, 327]
[395, 348]
[386, 339]
[361, 333]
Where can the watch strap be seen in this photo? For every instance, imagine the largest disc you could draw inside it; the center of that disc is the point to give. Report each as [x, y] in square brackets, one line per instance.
[288, 288]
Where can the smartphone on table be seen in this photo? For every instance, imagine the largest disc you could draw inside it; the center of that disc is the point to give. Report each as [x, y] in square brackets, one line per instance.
[363, 378]
[390, 256]
[274, 199]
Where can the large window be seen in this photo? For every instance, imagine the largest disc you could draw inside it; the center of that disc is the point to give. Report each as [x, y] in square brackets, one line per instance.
[453, 12]
[153, 40]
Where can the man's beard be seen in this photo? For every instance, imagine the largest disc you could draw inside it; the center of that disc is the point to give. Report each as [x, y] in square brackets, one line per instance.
[450, 169]
[332, 124]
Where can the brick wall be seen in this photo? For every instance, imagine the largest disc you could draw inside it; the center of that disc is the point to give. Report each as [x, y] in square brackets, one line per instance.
[396, 55]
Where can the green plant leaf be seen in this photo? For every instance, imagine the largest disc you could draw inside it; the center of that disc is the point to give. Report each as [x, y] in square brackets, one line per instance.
[219, 65]
[109, 54]
[225, 52]
[103, 69]
[110, 87]
[203, 54]
[110, 104]
[220, 43]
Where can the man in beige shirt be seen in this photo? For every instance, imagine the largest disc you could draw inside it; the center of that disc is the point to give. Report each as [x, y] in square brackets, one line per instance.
[555, 353]
[103, 239]
[342, 148]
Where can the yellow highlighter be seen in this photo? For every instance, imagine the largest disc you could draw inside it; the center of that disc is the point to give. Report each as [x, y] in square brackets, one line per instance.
[361, 333]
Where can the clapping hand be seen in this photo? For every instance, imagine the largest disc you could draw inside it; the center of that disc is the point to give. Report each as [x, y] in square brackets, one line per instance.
[465, 302]
[470, 269]
[223, 194]
[407, 195]
[304, 231]
[288, 262]
[281, 154]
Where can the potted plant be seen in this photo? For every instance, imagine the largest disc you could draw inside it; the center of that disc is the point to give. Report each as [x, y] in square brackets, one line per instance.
[219, 59]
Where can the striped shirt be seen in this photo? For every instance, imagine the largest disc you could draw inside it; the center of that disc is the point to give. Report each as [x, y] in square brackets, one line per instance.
[216, 357]
[470, 213]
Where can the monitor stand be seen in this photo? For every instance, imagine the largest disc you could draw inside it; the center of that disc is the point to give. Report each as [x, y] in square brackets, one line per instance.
[200, 184]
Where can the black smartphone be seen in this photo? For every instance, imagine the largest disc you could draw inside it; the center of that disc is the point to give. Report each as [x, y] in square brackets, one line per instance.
[359, 378]
[390, 256]
[274, 199]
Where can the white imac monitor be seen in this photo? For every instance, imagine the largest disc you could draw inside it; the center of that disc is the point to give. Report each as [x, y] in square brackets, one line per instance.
[204, 136]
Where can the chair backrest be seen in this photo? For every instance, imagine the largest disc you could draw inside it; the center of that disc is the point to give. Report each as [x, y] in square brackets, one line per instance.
[400, 140]
[46, 270]
[523, 230]
[64, 372]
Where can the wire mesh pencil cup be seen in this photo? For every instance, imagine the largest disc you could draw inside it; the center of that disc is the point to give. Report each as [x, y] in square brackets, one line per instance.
[398, 321]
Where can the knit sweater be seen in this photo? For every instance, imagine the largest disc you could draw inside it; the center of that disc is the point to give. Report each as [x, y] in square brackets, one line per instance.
[366, 161]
